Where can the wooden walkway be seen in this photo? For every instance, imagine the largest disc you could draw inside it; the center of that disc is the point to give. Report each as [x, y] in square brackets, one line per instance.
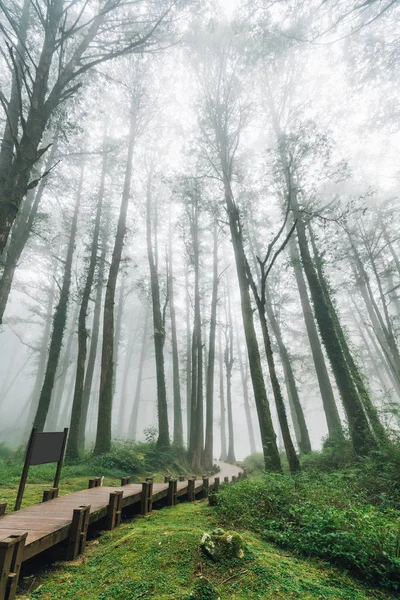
[32, 530]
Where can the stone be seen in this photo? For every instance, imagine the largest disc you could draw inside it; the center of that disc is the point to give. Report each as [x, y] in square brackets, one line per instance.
[222, 545]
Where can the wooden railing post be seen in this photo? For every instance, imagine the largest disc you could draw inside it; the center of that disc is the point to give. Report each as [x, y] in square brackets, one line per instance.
[191, 488]
[50, 494]
[11, 552]
[94, 482]
[114, 510]
[226, 479]
[172, 490]
[216, 484]
[3, 506]
[181, 478]
[167, 478]
[233, 478]
[206, 485]
[79, 527]
[146, 503]
[125, 480]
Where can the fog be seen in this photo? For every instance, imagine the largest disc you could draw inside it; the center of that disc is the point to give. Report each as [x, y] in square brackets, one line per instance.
[216, 183]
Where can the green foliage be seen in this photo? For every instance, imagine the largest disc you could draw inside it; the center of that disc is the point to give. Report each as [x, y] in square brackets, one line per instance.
[203, 590]
[254, 464]
[337, 453]
[325, 515]
[159, 557]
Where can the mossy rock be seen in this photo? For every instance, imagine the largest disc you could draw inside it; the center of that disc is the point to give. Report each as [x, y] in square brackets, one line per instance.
[204, 590]
[222, 545]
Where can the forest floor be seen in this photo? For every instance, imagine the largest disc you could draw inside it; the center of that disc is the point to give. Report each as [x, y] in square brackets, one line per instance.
[159, 557]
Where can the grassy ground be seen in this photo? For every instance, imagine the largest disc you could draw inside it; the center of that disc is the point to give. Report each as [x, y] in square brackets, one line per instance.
[159, 557]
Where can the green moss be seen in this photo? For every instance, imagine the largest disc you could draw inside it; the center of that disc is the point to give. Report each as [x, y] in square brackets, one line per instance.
[159, 557]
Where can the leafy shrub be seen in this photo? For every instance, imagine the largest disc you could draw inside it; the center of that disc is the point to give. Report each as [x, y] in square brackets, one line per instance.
[337, 453]
[254, 463]
[323, 515]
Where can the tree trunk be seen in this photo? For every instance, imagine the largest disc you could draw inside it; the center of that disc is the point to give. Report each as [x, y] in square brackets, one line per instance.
[196, 400]
[131, 341]
[133, 425]
[118, 331]
[41, 367]
[94, 342]
[228, 358]
[362, 438]
[188, 356]
[65, 362]
[291, 455]
[209, 443]
[59, 320]
[13, 106]
[224, 453]
[73, 438]
[178, 427]
[20, 233]
[103, 434]
[244, 376]
[325, 387]
[14, 184]
[302, 435]
[268, 436]
[158, 325]
[369, 407]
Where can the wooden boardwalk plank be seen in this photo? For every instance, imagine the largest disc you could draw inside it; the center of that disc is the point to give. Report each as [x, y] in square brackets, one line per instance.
[49, 522]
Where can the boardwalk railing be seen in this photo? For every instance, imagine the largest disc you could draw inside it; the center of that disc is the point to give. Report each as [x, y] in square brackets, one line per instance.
[34, 529]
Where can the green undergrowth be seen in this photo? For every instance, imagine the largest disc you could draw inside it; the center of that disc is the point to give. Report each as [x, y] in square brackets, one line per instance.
[160, 557]
[329, 515]
[126, 458]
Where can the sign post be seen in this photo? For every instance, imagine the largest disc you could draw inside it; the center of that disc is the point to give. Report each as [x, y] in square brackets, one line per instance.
[45, 447]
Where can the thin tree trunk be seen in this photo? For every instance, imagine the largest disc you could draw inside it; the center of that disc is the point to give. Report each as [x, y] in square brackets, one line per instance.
[94, 342]
[133, 425]
[299, 421]
[73, 438]
[41, 367]
[196, 399]
[228, 356]
[158, 325]
[127, 365]
[325, 387]
[224, 453]
[178, 427]
[118, 330]
[104, 424]
[293, 460]
[268, 436]
[209, 442]
[244, 376]
[188, 357]
[66, 361]
[59, 320]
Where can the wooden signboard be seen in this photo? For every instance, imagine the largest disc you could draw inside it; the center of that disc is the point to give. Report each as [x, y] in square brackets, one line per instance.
[43, 448]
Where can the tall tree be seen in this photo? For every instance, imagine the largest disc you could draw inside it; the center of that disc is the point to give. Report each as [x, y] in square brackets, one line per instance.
[163, 440]
[178, 427]
[73, 438]
[69, 45]
[209, 440]
[103, 434]
[60, 318]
